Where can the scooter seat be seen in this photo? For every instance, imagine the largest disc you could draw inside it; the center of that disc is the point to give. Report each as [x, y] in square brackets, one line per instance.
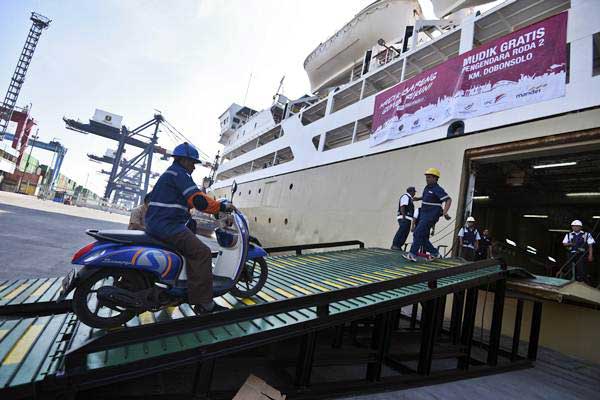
[127, 237]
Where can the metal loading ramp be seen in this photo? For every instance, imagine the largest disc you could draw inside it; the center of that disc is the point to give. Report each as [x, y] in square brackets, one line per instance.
[304, 295]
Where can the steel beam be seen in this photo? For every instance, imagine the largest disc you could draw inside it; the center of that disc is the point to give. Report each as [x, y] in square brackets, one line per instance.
[517, 331]
[468, 328]
[534, 335]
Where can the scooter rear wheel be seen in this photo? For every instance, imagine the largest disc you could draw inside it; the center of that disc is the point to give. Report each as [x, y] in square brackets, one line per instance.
[252, 278]
[91, 312]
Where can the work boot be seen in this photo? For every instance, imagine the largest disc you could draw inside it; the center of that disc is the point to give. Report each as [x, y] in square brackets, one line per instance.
[410, 257]
[212, 307]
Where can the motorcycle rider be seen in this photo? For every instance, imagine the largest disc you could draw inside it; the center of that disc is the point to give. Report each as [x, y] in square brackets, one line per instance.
[173, 195]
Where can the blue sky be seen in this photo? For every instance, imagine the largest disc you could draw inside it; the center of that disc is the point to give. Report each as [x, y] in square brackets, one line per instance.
[189, 59]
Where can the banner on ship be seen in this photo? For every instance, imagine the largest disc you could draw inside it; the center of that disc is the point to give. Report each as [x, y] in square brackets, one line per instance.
[524, 67]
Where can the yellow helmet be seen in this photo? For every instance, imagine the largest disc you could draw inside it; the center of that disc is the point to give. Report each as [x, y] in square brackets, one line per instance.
[433, 171]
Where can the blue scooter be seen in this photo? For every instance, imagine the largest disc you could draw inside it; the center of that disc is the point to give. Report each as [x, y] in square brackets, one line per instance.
[128, 272]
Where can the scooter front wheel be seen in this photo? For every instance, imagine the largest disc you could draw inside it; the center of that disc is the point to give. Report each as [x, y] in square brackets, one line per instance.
[252, 278]
[91, 311]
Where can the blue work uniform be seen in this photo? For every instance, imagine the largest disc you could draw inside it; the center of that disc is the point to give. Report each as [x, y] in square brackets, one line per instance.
[170, 201]
[430, 212]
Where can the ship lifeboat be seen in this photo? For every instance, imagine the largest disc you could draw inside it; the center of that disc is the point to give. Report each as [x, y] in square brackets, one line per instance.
[383, 19]
[442, 8]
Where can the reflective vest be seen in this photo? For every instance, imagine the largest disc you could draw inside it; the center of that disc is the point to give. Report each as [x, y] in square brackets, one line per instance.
[578, 240]
[469, 237]
[409, 209]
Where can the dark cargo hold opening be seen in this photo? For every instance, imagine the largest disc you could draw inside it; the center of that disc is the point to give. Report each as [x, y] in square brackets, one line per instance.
[528, 199]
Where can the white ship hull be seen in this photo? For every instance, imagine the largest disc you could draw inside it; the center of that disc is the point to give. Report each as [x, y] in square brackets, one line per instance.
[357, 198]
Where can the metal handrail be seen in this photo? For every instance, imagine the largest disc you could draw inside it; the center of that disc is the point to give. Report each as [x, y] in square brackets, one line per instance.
[299, 248]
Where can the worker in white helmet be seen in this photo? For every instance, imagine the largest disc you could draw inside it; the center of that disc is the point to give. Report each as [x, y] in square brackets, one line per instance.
[468, 238]
[581, 251]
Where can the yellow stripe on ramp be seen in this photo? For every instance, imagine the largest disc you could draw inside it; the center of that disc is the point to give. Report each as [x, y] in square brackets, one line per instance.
[385, 275]
[301, 290]
[333, 284]
[361, 279]
[146, 318]
[16, 291]
[348, 282]
[284, 292]
[22, 346]
[321, 288]
[373, 277]
[265, 296]
[248, 301]
[41, 290]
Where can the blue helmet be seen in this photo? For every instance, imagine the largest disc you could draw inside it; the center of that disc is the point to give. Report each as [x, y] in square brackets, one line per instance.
[186, 150]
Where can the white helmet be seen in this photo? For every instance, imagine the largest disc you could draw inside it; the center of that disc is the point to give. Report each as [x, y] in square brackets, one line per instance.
[470, 219]
[576, 223]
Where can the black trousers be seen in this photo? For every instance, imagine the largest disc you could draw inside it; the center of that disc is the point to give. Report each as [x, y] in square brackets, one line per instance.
[401, 233]
[580, 268]
[467, 253]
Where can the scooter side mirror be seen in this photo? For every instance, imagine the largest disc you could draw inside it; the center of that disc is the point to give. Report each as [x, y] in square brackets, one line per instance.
[234, 188]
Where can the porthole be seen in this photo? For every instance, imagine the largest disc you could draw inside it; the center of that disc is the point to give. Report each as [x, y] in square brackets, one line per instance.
[291, 186]
[240, 194]
[254, 219]
[249, 191]
[259, 190]
[285, 221]
[269, 220]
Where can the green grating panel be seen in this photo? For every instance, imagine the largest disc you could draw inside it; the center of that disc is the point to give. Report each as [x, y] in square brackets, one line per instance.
[28, 348]
[30, 291]
[31, 348]
[289, 277]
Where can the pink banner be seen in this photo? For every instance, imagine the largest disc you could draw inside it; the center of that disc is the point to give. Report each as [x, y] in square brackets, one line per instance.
[524, 67]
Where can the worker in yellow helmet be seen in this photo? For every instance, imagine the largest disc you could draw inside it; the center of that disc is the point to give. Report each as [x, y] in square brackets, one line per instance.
[435, 203]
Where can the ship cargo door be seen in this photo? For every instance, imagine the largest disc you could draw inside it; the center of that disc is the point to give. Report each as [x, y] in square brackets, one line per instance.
[528, 199]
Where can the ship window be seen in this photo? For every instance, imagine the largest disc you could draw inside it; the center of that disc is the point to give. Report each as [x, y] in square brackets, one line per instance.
[259, 190]
[363, 128]
[315, 141]
[339, 137]
[279, 157]
[347, 97]
[314, 113]
[383, 79]
[291, 186]
[249, 191]
[254, 219]
[596, 59]
[285, 221]
[236, 120]
[269, 220]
